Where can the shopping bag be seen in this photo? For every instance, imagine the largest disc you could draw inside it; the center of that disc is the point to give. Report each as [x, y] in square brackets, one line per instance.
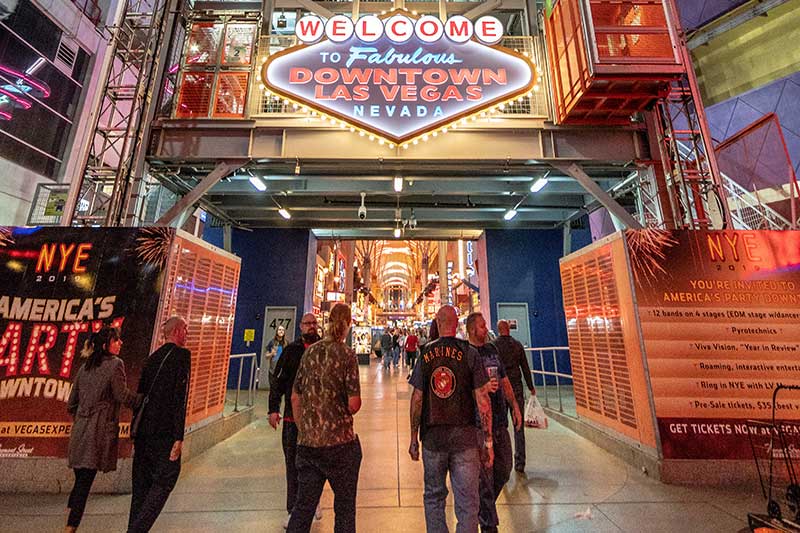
[534, 414]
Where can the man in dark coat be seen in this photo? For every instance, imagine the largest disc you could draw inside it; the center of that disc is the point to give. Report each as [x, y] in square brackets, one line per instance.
[512, 355]
[281, 388]
[159, 438]
[386, 348]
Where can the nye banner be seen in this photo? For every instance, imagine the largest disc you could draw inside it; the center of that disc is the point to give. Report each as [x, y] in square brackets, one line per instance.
[720, 323]
[57, 286]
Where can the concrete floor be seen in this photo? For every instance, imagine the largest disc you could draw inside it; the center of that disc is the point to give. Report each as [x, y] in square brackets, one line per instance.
[239, 486]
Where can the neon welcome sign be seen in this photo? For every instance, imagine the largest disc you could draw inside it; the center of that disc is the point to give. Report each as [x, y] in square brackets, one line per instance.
[398, 77]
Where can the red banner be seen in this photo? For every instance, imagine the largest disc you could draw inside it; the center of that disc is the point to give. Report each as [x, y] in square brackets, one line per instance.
[720, 320]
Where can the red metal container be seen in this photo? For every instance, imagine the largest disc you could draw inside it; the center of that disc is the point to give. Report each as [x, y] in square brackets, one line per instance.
[610, 58]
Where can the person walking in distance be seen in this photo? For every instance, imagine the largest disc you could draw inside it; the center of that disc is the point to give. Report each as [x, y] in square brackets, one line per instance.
[494, 478]
[326, 395]
[451, 391]
[386, 348]
[513, 357]
[281, 388]
[158, 441]
[98, 391]
[396, 347]
[411, 346]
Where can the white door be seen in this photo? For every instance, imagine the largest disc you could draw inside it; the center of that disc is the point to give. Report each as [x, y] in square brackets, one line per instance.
[517, 316]
[273, 318]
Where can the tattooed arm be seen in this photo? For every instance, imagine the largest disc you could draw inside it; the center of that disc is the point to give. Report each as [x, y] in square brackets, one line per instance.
[516, 414]
[416, 419]
[485, 416]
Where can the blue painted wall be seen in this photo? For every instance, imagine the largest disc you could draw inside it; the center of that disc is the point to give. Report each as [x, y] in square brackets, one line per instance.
[523, 267]
[581, 238]
[273, 273]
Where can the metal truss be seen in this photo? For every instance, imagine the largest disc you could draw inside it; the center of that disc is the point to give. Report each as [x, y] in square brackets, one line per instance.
[114, 161]
[692, 177]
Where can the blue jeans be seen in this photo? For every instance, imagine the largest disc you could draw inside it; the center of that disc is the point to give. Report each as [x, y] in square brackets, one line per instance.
[396, 356]
[464, 468]
[493, 479]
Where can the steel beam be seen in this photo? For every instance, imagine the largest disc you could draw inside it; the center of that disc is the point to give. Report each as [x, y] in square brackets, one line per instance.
[314, 7]
[190, 198]
[575, 170]
[482, 9]
[732, 20]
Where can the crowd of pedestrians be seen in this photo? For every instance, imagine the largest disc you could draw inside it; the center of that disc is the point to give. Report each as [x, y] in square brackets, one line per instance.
[157, 429]
[462, 393]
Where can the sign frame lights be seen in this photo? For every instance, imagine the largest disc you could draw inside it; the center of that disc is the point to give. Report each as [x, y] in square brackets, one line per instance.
[399, 78]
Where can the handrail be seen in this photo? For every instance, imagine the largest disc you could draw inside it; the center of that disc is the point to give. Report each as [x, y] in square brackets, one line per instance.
[740, 196]
[251, 384]
[544, 373]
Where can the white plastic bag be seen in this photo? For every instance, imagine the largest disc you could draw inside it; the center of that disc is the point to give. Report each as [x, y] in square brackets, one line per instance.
[534, 414]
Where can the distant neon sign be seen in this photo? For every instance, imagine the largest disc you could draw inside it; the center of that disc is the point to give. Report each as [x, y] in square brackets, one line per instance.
[398, 77]
[14, 96]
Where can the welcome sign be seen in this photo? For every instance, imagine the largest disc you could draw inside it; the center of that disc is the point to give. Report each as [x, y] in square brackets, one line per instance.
[399, 76]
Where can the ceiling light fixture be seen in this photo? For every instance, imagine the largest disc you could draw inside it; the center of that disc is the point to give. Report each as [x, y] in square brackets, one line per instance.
[398, 183]
[396, 233]
[281, 210]
[511, 213]
[297, 167]
[540, 183]
[257, 183]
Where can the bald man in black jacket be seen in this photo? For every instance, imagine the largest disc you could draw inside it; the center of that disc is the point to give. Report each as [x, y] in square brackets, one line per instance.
[159, 438]
[512, 354]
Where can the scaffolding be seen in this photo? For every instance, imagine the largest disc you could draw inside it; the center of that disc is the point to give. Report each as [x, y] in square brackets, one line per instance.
[691, 174]
[107, 192]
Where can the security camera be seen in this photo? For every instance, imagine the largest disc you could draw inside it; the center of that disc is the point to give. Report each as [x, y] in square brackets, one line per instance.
[362, 211]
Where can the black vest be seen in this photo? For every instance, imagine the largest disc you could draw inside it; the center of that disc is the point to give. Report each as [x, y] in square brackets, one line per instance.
[448, 398]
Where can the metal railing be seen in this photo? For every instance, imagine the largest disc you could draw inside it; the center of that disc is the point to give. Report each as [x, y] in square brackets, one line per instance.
[747, 210]
[251, 385]
[538, 355]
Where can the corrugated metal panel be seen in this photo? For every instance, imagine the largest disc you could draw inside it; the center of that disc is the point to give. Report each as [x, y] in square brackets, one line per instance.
[597, 346]
[203, 286]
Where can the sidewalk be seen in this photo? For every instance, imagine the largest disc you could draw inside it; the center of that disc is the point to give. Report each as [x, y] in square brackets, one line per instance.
[239, 486]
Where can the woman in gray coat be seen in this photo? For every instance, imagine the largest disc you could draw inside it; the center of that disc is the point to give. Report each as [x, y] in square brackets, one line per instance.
[98, 390]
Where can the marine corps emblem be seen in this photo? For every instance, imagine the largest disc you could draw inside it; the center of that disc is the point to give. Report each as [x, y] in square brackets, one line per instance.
[443, 382]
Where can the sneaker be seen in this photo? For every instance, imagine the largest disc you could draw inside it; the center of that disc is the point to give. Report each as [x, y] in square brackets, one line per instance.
[318, 513]
[286, 522]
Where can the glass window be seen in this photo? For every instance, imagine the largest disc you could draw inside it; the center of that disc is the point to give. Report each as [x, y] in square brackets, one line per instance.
[35, 27]
[239, 44]
[231, 94]
[37, 100]
[195, 94]
[62, 93]
[204, 44]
